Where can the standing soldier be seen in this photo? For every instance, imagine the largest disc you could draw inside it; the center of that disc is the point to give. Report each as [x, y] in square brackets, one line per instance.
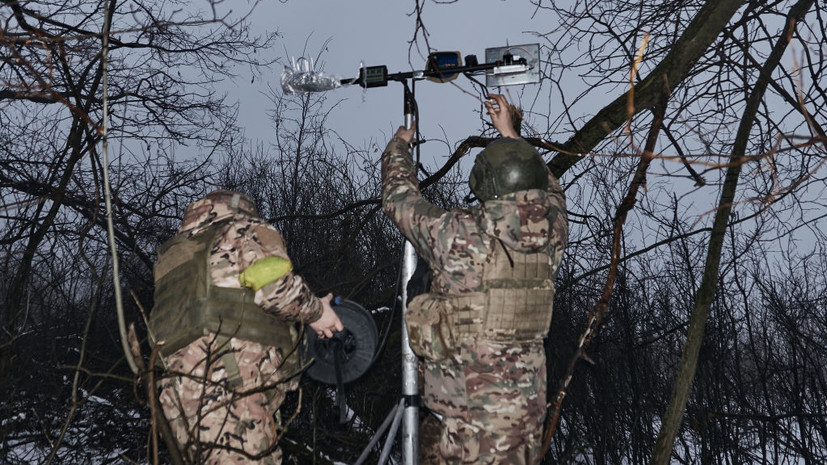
[479, 332]
[225, 300]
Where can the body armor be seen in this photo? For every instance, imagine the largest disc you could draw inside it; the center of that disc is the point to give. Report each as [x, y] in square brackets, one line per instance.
[515, 304]
[188, 306]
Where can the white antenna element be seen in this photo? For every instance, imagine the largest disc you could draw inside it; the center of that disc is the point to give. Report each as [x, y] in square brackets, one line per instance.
[301, 77]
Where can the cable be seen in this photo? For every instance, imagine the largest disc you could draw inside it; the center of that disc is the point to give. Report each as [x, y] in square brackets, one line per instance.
[381, 345]
[483, 87]
[110, 228]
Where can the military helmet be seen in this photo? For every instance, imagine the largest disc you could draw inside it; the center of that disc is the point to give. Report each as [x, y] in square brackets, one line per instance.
[236, 201]
[217, 205]
[507, 165]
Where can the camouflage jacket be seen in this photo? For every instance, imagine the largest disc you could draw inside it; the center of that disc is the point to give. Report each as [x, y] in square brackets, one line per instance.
[246, 240]
[456, 243]
[495, 388]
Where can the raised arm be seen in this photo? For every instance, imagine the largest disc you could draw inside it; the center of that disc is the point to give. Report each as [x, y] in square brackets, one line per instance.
[502, 115]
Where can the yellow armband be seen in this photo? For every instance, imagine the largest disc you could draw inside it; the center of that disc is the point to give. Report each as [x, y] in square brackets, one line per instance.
[264, 272]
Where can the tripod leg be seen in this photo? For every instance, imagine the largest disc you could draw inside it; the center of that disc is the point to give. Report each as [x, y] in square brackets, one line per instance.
[397, 419]
[392, 415]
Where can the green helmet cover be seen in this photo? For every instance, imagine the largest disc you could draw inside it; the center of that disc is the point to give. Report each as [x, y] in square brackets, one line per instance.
[507, 165]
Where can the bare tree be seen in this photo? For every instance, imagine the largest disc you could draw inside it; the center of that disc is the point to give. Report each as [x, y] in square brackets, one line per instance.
[695, 199]
[163, 64]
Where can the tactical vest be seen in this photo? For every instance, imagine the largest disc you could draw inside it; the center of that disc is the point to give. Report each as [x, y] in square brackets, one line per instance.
[516, 301]
[188, 305]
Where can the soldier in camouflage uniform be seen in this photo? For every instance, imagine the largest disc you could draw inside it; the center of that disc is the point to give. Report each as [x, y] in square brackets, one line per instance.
[222, 392]
[479, 331]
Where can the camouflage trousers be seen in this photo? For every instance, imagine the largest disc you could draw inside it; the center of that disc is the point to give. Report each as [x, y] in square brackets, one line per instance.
[492, 400]
[214, 422]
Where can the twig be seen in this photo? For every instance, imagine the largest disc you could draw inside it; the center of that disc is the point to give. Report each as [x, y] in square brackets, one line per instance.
[595, 317]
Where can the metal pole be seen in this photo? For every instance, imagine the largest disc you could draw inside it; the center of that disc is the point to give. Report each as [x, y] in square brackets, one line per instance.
[410, 381]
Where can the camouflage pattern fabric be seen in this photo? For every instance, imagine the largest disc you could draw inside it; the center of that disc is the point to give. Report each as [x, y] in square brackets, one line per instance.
[430, 429]
[492, 399]
[216, 425]
[246, 240]
[491, 396]
[213, 423]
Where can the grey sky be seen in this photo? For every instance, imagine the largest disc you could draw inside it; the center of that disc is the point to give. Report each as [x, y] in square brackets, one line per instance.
[378, 32]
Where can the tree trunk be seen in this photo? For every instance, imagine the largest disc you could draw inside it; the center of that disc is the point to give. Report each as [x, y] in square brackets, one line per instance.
[675, 67]
[703, 299]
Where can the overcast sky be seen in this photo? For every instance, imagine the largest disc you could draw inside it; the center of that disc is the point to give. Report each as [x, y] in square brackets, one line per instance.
[378, 32]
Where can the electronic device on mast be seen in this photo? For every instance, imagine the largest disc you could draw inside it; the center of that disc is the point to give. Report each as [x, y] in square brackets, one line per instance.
[503, 66]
